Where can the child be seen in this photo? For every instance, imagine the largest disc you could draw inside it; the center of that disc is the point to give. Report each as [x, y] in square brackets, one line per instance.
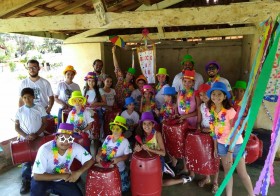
[137, 93]
[238, 92]
[148, 103]
[116, 150]
[187, 101]
[51, 168]
[125, 84]
[31, 121]
[91, 91]
[203, 126]
[153, 142]
[79, 116]
[163, 79]
[65, 89]
[169, 108]
[131, 116]
[107, 93]
[221, 117]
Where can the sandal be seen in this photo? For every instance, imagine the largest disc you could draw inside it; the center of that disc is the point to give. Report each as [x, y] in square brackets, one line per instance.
[203, 182]
[187, 179]
[215, 188]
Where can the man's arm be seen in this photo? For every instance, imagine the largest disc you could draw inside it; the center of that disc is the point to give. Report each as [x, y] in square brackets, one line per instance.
[76, 174]
[51, 101]
[19, 130]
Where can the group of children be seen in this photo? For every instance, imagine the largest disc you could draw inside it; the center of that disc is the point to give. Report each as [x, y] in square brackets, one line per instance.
[155, 104]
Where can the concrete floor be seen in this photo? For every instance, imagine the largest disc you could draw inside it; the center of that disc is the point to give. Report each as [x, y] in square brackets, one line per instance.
[10, 183]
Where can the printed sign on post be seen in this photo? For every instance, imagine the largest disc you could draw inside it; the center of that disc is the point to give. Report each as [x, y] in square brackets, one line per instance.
[147, 61]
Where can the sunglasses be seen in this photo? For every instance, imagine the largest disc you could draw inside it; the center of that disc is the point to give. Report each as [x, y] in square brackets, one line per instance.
[63, 139]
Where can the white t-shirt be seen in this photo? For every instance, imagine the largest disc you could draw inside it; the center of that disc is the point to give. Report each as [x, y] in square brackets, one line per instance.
[65, 90]
[205, 116]
[160, 97]
[87, 118]
[123, 149]
[131, 119]
[44, 162]
[30, 119]
[91, 96]
[136, 95]
[110, 97]
[178, 85]
[223, 80]
[42, 90]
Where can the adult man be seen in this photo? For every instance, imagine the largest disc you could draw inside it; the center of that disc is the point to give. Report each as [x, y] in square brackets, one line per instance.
[212, 68]
[188, 64]
[42, 88]
[97, 69]
[51, 169]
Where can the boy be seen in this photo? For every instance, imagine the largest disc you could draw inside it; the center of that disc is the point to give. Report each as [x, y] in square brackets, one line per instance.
[51, 168]
[30, 122]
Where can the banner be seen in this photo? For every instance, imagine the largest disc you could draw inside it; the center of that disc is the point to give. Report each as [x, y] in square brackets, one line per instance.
[147, 61]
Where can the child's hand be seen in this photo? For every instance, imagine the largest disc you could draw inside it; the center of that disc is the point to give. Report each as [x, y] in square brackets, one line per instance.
[114, 49]
[216, 153]
[145, 147]
[205, 130]
[115, 160]
[32, 136]
[137, 148]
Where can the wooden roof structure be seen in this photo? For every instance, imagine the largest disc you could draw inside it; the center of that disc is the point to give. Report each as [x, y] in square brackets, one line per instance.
[78, 21]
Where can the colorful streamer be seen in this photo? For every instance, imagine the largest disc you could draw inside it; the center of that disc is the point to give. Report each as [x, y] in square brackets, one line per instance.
[253, 111]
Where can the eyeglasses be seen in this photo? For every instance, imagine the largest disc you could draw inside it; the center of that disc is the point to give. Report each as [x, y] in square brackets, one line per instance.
[31, 68]
[63, 139]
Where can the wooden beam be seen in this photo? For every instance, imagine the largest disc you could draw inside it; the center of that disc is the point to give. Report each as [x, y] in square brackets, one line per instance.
[237, 13]
[174, 35]
[11, 5]
[161, 5]
[66, 9]
[100, 12]
[21, 8]
[46, 34]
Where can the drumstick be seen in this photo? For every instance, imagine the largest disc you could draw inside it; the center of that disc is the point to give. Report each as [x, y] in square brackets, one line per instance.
[138, 139]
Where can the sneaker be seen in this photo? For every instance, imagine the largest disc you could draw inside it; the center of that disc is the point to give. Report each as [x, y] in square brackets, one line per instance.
[168, 170]
[25, 187]
[187, 179]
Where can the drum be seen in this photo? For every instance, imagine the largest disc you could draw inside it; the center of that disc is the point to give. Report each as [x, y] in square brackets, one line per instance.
[26, 151]
[51, 125]
[109, 116]
[103, 181]
[254, 149]
[199, 148]
[174, 134]
[145, 174]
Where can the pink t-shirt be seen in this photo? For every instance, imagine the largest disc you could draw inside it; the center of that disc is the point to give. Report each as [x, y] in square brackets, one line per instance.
[229, 116]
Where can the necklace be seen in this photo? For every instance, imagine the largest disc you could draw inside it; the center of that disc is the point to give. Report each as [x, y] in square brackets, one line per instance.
[104, 155]
[80, 116]
[159, 87]
[167, 110]
[150, 136]
[184, 95]
[217, 79]
[216, 121]
[147, 107]
[126, 90]
[60, 169]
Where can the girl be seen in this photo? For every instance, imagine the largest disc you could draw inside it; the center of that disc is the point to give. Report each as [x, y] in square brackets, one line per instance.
[137, 93]
[91, 91]
[148, 103]
[65, 89]
[203, 125]
[238, 91]
[116, 149]
[107, 93]
[163, 79]
[125, 85]
[187, 102]
[221, 117]
[169, 108]
[153, 142]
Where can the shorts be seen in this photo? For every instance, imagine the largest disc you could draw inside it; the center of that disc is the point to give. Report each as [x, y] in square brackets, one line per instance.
[223, 150]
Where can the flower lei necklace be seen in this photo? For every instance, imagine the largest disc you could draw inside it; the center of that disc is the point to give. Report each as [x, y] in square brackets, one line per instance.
[217, 79]
[149, 107]
[80, 116]
[115, 149]
[185, 99]
[167, 110]
[216, 121]
[65, 168]
[159, 87]
[126, 89]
